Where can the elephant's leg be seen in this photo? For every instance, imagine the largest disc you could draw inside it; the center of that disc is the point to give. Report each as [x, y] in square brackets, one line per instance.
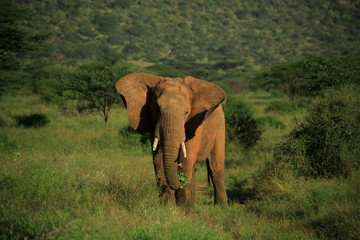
[186, 196]
[192, 189]
[216, 171]
[165, 193]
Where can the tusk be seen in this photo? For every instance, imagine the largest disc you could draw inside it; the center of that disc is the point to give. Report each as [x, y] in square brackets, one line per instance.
[156, 141]
[183, 148]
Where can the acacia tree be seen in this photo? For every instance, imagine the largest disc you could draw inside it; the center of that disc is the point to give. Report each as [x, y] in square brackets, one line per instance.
[310, 75]
[92, 85]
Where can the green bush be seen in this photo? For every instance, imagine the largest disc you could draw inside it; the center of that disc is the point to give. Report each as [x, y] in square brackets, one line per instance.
[240, 125]
[35, 120]
[129, 138]
[327, 143]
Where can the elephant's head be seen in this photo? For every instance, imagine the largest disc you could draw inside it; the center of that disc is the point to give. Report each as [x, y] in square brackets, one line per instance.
[170, 109]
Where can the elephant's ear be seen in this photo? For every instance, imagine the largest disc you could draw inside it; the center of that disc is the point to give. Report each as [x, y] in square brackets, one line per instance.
[135, 89]
[206, 98]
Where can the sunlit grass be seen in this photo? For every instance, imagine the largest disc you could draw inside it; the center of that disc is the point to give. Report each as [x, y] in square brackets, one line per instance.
[74, 179]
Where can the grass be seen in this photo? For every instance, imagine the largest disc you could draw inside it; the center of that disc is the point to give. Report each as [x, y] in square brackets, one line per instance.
[74, 179]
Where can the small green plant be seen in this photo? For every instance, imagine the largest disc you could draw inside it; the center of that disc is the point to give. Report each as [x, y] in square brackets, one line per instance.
[16, 154]
[184, 179]
[35, 120]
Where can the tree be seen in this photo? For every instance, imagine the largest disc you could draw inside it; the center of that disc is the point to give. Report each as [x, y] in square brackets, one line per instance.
[308, 76]
[92, 85]
[14, 40]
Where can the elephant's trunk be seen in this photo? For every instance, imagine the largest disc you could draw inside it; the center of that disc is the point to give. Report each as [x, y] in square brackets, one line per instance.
[170, 166]
[172, 135]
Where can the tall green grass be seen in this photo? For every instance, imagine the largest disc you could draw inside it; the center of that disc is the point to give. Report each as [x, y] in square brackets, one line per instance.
[73, 179]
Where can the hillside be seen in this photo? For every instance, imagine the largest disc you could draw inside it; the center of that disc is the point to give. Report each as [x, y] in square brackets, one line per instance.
[223, 35]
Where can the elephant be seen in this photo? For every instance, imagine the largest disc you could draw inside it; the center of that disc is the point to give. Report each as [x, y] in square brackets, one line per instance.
[185, 119]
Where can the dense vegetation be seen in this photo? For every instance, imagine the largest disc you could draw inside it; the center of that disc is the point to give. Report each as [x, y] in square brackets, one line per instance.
[292, 147]
[199, 37]
[308, 76]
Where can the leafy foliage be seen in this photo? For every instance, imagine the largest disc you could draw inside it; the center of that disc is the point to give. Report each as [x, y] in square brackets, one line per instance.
[15, 41]
[92, 85]
[310, 75]
[231, 36]
[327, 144]
[240, 125]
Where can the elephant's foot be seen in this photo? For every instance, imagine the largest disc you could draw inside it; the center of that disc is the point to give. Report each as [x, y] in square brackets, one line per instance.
[180, 196]
[221, 200]
[185, 198]
[166, 195]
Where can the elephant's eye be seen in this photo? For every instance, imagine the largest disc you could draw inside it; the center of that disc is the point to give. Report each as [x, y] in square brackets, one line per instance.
[186, 112]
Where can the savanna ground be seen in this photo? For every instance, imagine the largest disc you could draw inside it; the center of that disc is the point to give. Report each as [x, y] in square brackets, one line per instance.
[73, 179]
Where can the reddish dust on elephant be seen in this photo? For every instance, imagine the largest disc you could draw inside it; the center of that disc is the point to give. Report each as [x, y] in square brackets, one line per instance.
[186, 122]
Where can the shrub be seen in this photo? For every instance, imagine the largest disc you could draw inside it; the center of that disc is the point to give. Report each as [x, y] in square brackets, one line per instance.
[35, 120]
[240, 125]
[129, 138]
[327, 143]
